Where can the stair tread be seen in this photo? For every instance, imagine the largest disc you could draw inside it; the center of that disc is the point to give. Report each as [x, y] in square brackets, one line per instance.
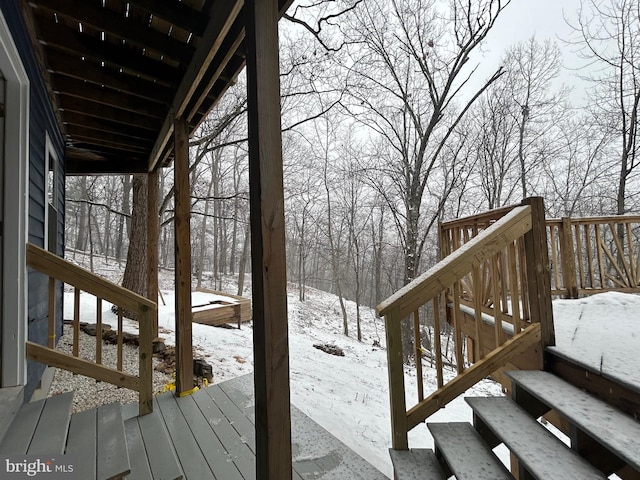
[82, 443]
[18, 437]
[417, 463]
[466, 454]
[609, 426]
[538, 450]
[113, 457]
[162, 458]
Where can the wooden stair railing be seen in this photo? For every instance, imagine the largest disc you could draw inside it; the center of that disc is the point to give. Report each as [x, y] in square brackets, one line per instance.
[59, 269]
[513, 250]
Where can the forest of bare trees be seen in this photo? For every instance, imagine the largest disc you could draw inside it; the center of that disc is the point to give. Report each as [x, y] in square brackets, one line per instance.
[388, 129]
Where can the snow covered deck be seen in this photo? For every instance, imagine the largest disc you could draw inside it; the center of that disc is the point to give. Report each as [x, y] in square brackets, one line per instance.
[601, 332]
[213, 435]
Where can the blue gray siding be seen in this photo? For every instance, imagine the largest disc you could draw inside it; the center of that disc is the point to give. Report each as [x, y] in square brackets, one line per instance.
[42, 121]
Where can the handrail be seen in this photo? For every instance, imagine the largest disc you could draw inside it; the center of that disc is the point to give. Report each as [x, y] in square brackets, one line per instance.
[454, 267]
[59, 269]
[500, 266]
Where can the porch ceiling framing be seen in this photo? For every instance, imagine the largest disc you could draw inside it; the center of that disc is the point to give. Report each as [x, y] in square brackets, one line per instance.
[110, 65]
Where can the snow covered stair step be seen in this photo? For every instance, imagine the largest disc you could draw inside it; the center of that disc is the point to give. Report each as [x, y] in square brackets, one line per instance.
[466, 454]
[539, 452]
[416, 464]
[610, 427]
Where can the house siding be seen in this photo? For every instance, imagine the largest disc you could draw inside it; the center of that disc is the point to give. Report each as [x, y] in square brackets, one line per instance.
[42, 122]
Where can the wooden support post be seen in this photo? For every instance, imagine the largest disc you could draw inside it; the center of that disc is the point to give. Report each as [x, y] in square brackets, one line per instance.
[184, 354]
[395, 368]
[153, 231]
[539, 274]
[145, 352]
[270, 335]
[568, 258]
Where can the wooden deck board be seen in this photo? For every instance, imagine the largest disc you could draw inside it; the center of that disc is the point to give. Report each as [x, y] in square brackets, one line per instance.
[160, 453]
[140, 469]
[113, 457]
[220, 462]
[237, 449]
[82, 442]
[191, 459]
[212, 434]
[50, 436]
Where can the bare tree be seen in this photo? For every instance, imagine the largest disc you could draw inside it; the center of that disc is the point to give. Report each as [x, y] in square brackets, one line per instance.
[410, 85]
[608, 33]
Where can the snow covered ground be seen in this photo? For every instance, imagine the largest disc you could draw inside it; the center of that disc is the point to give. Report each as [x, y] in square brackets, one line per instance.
[349, 395]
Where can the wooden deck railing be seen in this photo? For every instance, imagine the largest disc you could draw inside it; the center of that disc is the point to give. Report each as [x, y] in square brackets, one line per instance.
[495, 292]
[594, 254]
[59, 269]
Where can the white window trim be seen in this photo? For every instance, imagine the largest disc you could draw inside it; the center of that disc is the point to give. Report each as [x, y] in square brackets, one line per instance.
[50, 162]
[16, 178]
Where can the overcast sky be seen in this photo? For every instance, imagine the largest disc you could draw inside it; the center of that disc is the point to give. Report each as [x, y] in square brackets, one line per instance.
[542, 18]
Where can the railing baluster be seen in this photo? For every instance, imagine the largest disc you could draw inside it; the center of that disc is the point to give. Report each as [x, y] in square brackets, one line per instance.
[119, 352]
[51, 339]
[555, 263]
[457, 327]
[515, 295]
[477, 307]
[98, 331]
[524, 288]
[632, 261]
[599, 245]
[579, 255]
[497, 311]
[437, 340]
[587, 239]
[417, 341]
[76, 321]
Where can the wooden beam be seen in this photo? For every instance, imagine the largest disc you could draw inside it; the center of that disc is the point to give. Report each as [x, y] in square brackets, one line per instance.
[268, 258]
[176, 13]
[184, 355]
[153, 232]
[225, 13]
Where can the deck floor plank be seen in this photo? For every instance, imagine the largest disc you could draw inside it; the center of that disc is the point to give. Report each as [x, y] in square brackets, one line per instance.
[160, 454]
[113, 457]
[50, 436]
[221, 463]
[236, 447]
[140, 469]
[191, 459]
[82, 442]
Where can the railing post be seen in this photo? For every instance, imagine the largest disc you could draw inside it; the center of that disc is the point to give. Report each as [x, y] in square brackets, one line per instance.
[395, 360]
[145, 351]
[539, 274]
[567, 256]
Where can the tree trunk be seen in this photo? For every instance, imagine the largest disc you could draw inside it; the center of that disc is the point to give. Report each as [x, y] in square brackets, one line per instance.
[135, 273]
